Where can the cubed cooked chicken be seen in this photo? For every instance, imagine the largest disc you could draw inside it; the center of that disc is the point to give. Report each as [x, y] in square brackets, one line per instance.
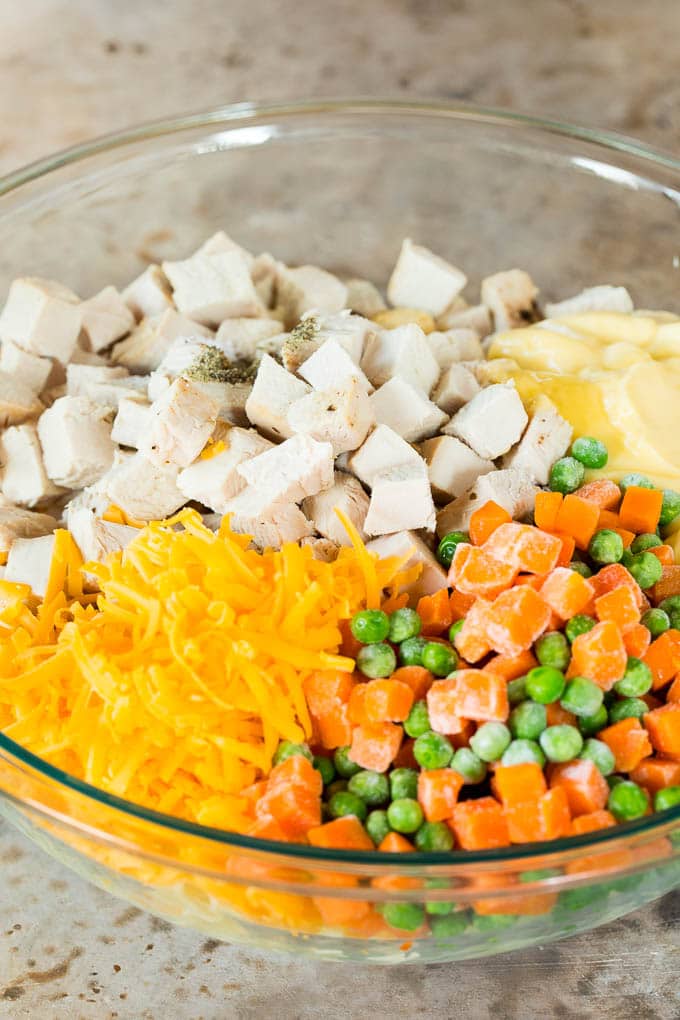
[144, 490]
[24, 479]
[401, 500]
[308, 288]
[42, 317]
[296, 468]
[146, 347]
[452, 466]
[402, 352]
[270, 523]
[512, 488]
[347, 495]
[604, 298]
[132, 422]
[331, 365]
[546, 439]
[491, 422]
[105, 319]
[456, 387]
[407, 410]
[214, 481]
[422, 279]
[181, 423]
[75, 435]
[341, 417]
[273, 394]
[29, 370]
[363, 297]
[95, 538]
[30, 562]
[213, 287]
[408, 544]
[453, 346]
[16, 522]
[149, 294]
[382, 450]
[511, 297]
[18, 401]
[241, 339]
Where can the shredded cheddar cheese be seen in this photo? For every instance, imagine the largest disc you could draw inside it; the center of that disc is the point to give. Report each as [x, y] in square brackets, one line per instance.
[212, 448]
[174, 685]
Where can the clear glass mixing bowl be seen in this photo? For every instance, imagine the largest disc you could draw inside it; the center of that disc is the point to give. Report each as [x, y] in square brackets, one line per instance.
[341, 184]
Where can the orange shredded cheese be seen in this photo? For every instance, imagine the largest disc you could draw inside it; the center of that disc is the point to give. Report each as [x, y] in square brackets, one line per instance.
[212, 448]
[174, 688]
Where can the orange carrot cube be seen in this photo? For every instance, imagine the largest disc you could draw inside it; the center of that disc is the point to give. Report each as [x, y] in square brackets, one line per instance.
[471, 640]
[442, 708]
[548, 817]
[518, 617]
[608, 519]
[480, 824]
[460, 604]
[326, 688]
[663, 657]
[395, 843]
[529, 549]
[346, 833]
[435, 612]
[613, 576]
[474, 572]
[485, 520]
[637, 640]
[296, 771]
[602, 492]
[477, 694]
[516, 784]
[592, 822]
[387, 701]
[557, 716]
[356, 710]
[600, 654]
[566, 592]
[656, 773]
[619, 606]
[568, 543]
[668, 585]
[418, 679]
[577, 517]
[640, 509]
[512, 666]
[546, 508]
[673, 692]
[628, 741]
[375, 745]
[664, 554]
[438, 791]
[349, 646]
[585, 787]
[663, 726]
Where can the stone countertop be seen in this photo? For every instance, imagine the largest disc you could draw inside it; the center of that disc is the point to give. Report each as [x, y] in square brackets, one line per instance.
[70, 69]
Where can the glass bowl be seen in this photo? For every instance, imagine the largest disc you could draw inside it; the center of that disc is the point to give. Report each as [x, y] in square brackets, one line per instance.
[340, 184]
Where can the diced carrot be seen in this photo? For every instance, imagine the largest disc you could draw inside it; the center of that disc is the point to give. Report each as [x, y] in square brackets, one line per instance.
[438, 791]
[349, 646]
[442, 708]
[640, 509]
[628, 741]
[613, 576]
[530, 550]
[477, 694]
[547, 817]
[512, 666]
[566, 592]
[518, 617]
[534, 581]
[405, 758]
[475, 573]
[585, 787]
[602, 492]
[664, 554]
[663, 726]
[663, 657]
[637, 640]
[395, 843]
[577, 517]
[656, 773]
[435, 612]
[375, 745]
[387, 701]
[346, 833]
[485, 520]
[592, 822]
[619, 606]
[334, 728]
[626, 537]
[668, 585]
[600, 655]
[546, 508]
[296, 771]
[480, 824]
[341, 911]
[608, 519]
[295, 807]
[325, 688]
[567, 551]
[673, 692]
[418, 679]
[557, 716]
[471, 640]
[356, 710]
[597, 864]
[515, 784]
[460, 604]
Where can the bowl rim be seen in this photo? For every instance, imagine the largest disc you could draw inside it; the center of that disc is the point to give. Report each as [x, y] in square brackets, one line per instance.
[232, 116]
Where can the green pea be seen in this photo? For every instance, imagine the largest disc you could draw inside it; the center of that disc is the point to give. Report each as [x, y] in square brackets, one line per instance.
[561, 743]
[454, 630]
[636, 681]
[439, 659]
[494, 922]
[451, 926]
[553, 650]
[613, 781]
[372, 787]
[432, 750]
[656, 621]
[605, 547]
[517, 690]
[370, 626]
[627, 558]
[418, 721]
[376, 660]
[287, 749]
[491, 741]
[591, 724]
[344, 765]
[377, 826]
[671, 606]
[644, 542]
[579, 624]
[581, 568]
[627, 801]
[346, 803]
[646, 568]
[590, 452]
[582, 696]
[335, 787]
[448, 545]
[403, 783]
[433, 836]
[404, 624]
[635, 479]
[600, 754]
[405, 815]
[667, 798]
[411, 651]
[403, 916]
[521, 751]
[670, 508]
[468, 765]
[566, 475]
[528, 720]
[627, 708]
[545, 684]
[325, 767]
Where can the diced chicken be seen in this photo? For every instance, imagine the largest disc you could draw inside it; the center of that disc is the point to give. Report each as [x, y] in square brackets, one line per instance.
[604, 298]
[213, 482]
[240, 339]
[432, 577]
[30, 370]
[364, 297]
[401, 500]
[510, 296]
[30, 561]
[402, 352]
[110, 392]
[24, 479]
[477, 317]
[308, 288]
[456, 387]
[331, 366]
[422, 279]
[384, 449]
[146, 347]
[42, 317]
[144, 490]
[219, 243]
[453, 346]
[212, 288]
[17, 523]
[512, 489]
[263, 273]
[183, 353]
[149, 294]
[297, 468]
[269, 523]
[231, 400]
[349, 331]
[491, 422]
[132, 422]
[346, 495]
[81, 357]
[106, 318]
[95, 538]
[406, 410]
[322, 548]
[341, 417]
[182, 421]
[75, 434]
[452, 466]
[489, 373]
[79, 378]
[546, 439]
[273, 394]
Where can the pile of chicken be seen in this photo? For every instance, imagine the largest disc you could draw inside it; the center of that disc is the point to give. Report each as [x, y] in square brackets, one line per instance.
[269, 393]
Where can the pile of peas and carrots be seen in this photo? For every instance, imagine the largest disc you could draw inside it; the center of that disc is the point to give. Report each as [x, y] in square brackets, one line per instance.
[536, 697]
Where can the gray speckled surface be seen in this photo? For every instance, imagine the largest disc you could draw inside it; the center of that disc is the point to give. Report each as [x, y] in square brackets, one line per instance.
[73, 68]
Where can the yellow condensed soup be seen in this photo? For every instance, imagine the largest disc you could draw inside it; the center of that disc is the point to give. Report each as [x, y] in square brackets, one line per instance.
[612, 375]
